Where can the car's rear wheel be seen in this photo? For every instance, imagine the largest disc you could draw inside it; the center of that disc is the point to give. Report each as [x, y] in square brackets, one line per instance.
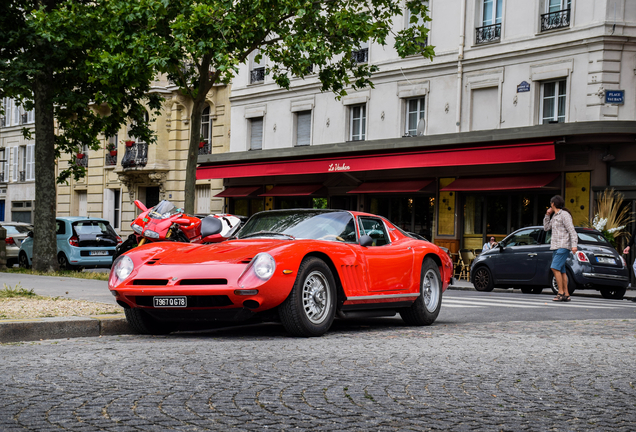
[143, 323]
[526, 290]
[310, 308]
[425, 309]
[555, 288]
[537, 290]
[613, 293]
[23, 261]
[482, 280]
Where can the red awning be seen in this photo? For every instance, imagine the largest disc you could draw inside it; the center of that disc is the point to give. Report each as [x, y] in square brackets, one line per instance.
[489, 155]
[530, 181]
[238, 191]
[392, 186]
[292, 190]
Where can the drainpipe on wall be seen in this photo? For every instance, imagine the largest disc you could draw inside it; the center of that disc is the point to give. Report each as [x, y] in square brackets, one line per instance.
[460, 65]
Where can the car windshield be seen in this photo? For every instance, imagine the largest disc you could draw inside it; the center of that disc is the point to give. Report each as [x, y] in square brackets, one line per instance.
[164, 210]
[17, 229]
[94, 227]
[317, 225]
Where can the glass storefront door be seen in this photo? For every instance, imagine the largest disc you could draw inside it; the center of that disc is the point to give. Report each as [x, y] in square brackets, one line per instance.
[413, 213]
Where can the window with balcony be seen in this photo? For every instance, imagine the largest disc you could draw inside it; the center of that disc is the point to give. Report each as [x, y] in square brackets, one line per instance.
[205, 144]
[361, 55]
[111, 151]
[418, 23]
[414, 113]
[557, 14]
[490, 30]
[303, 128]
[357, 122]
[553, 101]
[256, 133]
[257, 68]
[136, 154]
[4, 165]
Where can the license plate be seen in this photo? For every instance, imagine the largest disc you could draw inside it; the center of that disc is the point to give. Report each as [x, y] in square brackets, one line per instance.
[168, 302]
[98, 253]
[605, 260]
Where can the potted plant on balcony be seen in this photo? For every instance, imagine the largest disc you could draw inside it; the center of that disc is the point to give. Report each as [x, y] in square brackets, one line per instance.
[112, 149]
[80, 156]
[129, 143]
[202, 142]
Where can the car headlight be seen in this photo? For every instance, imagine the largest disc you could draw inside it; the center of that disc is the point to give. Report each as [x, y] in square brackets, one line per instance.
[258, 271]
[122, 268]
[151, 234]
[136, 228]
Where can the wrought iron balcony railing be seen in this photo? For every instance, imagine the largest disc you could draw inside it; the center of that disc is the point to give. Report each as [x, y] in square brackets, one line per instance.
[2, 177]
[555, 20]
[21, 176]
[24, 118]
[83, 160]
[111, 160]
[135, 156]
[3, 122]
[490, 33]
[206, 149]
[360, 56]
[257, 75]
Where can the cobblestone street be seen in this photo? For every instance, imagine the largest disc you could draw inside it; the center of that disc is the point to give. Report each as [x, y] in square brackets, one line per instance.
[378, 375]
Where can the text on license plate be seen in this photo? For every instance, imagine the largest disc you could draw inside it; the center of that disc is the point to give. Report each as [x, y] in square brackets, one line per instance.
[606, 260]
[170, 301]
[98, 253]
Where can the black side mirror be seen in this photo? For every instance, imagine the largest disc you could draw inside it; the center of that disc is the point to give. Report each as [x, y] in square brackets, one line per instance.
[210, 226]
[501, 247]
[30, 234]
[366, 241]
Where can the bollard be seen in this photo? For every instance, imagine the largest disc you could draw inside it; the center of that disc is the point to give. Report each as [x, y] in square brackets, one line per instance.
[3, 248]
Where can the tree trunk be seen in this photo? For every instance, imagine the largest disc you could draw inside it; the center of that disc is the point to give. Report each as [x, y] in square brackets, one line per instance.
[44, 240]
[193, 153]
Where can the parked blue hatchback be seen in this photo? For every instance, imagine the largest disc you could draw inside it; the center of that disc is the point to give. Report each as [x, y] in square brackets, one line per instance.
[81, 242]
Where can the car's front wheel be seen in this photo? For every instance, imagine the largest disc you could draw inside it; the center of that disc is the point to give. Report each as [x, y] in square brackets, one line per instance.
[23, 260]
[482, 280]
[143, 323]
[425, 309]
[613, 293]
[310, 308]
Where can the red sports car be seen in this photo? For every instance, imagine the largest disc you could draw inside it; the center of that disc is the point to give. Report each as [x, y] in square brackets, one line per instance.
[302, 267]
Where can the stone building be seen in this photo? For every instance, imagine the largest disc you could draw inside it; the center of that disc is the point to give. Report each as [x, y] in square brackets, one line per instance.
[523, 100]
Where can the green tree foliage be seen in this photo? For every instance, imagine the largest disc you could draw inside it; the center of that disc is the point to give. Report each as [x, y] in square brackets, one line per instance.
[54, 58]
[202, 43]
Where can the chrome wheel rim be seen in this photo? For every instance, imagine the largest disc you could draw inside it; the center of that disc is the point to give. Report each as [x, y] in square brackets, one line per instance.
[555, 286]
[316, 297]
[481, 279]
[430, 290]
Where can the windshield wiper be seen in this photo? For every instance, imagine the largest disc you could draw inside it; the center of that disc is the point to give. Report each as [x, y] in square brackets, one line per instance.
[268, 233]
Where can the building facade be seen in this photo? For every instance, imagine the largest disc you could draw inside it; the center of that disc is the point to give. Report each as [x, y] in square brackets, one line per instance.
[126, 169]
[523, 100]
[17, 175]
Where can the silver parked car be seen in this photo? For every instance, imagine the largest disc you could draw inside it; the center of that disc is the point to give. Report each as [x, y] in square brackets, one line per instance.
[16, 233]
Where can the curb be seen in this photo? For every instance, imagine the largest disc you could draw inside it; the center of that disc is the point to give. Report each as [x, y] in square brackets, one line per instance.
[63, 327]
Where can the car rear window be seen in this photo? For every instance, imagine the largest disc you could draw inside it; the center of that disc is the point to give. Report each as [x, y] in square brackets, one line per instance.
[19, 229]
[592, 237]
[94, 227]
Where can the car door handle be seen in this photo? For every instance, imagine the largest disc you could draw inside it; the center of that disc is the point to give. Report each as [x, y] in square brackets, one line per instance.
[532, 254]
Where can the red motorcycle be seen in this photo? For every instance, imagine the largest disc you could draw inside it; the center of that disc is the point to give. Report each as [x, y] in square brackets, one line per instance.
[165, 222]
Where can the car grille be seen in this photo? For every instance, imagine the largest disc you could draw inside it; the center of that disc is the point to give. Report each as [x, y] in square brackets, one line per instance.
[193, 301]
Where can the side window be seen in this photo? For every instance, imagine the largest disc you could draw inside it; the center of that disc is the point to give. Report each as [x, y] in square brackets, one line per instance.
[548, 237]
[374, 228]
[349, 233]
[525, 238]
[60, 227]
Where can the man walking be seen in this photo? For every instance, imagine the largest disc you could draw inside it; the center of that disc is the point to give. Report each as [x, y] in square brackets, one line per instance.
[564, 238]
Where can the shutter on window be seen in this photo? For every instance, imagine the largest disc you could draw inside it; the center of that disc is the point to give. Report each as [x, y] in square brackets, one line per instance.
[303, 133]
[14, 162]
[256, 134]
[203, 199]
[30, 171]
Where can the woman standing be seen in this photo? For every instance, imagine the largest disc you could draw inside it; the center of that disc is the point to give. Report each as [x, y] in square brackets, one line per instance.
[564, 238]
[626, 251]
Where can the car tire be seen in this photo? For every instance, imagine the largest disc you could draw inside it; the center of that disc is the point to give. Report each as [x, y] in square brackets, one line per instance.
[555, 288]
[537, 290]
[613, 293]
[482, 279]
[426, 307]
[310, 308]
[23, 260]
[527, 290]
[62, 261]
[143, 323]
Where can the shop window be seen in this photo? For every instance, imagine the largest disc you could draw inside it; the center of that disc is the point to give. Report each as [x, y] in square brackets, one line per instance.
[553, 101]
[357, 122]
[303, 128]
[256, 133]
[414, 113]
[22, 211]
[622, 176]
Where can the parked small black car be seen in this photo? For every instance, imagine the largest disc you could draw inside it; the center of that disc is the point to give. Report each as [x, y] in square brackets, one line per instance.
[523, 260]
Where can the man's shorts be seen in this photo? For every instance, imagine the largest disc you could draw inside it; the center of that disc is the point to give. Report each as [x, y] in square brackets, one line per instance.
[559, 257]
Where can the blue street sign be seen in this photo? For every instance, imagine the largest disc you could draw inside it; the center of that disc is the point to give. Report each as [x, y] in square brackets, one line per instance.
[616, 97]
[523, 87]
